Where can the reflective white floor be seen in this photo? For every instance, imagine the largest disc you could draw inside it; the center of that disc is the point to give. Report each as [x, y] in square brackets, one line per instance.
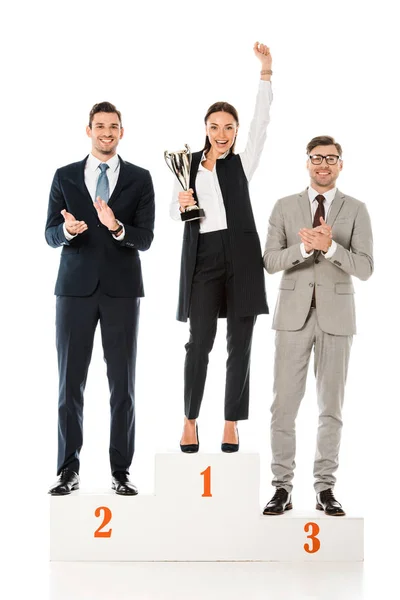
[154, 581]
[36, 577]
[207, 580]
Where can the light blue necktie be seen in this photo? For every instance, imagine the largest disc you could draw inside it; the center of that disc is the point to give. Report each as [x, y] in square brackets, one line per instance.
[103, 187]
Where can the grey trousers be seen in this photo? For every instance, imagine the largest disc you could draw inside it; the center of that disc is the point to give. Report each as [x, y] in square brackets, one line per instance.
[292, 355]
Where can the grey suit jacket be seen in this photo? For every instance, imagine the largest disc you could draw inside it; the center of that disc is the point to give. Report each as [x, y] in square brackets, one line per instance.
[351, 230]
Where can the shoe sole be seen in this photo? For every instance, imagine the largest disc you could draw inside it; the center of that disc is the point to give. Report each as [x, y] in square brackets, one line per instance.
[288, 507]
[338, 514]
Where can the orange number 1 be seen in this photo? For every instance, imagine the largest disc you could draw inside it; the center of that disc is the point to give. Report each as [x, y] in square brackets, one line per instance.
[316, 544]
[207, 483]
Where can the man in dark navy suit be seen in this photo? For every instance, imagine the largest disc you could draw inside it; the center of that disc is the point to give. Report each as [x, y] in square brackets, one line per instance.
[101, 211]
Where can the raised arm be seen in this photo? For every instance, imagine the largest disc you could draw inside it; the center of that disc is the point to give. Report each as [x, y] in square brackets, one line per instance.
[258, 128]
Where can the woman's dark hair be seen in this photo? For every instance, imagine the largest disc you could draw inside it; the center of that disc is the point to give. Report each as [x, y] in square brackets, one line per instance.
[220, 107]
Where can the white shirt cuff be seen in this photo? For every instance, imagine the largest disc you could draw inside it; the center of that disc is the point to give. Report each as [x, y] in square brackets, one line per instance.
[303, 251]
[331, 250]
[68, 236]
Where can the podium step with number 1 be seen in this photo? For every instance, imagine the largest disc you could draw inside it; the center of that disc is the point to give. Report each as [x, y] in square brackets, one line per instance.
[205, 508]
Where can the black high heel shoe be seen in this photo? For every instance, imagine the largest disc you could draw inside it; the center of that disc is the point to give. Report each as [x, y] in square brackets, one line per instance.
[229, 448]
[191, 448]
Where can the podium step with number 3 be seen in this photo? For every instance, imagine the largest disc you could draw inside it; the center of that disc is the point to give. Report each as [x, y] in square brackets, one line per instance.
[205, 508]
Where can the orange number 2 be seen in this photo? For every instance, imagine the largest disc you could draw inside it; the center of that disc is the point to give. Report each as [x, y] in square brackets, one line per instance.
[106, 519]
[316, 544]
[207, 483]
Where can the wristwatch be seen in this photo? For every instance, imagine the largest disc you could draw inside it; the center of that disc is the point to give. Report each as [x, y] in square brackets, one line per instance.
[118, 230]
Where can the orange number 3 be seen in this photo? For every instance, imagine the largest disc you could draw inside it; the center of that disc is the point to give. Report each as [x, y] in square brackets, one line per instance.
[106, 519]
[315, 543]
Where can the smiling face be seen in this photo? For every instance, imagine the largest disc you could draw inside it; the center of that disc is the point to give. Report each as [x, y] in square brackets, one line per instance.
[105, 133]
[323, 177]
[221, 129]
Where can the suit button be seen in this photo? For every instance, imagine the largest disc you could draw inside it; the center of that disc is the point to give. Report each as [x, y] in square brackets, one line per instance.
[317, 262]
[311, 284]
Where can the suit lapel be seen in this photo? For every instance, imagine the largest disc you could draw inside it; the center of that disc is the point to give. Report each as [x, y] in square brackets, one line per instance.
[121, 181]
[305, 209]
[78, 179]
[220, 166]
[194, 167]
[335, 207]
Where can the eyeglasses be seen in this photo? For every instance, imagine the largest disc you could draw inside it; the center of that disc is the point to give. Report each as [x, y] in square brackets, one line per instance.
[317, 159]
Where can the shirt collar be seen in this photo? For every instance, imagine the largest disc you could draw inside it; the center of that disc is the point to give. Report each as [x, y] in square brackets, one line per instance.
[92, 162]
[203, 156]
[329, 195]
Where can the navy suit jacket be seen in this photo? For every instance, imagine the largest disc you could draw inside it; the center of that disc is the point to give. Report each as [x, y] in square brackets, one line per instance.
[95, 257]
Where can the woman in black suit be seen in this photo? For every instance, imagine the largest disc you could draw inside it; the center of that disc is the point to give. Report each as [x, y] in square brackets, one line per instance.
[221, 268]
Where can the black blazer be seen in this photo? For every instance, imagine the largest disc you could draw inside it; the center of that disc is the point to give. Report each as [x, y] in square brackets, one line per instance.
[249, 283]
[94, 256]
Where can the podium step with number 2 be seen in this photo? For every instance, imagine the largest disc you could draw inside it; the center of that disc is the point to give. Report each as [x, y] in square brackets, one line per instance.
[205, 508]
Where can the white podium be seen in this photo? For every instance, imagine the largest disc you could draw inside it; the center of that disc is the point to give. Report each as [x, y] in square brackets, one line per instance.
[205, 508]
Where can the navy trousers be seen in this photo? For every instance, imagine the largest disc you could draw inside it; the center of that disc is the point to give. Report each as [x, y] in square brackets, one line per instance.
[76, 322]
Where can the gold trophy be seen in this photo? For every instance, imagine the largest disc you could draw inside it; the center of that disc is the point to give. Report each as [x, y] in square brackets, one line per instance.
[179, 162]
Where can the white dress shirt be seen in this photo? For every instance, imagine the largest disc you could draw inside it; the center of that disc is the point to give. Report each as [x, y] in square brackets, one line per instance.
[207, 185]
[92, 173]
[329, 196]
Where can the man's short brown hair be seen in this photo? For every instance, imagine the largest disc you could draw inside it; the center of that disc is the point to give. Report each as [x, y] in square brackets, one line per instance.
[323, 140]
[106, 107]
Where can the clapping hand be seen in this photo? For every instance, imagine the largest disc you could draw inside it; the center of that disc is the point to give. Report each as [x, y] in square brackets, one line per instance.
[319, 238]
[73, 226]
[105, 214]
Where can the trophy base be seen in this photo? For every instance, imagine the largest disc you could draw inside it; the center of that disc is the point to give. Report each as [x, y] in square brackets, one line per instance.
[192, 214]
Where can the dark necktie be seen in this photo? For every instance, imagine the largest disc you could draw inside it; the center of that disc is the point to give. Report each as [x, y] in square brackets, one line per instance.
[320, 212]
[103, 188]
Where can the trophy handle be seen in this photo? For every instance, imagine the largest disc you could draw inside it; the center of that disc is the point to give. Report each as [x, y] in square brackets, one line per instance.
[168, 160]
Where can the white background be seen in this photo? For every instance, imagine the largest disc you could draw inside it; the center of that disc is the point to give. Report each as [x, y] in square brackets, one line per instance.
[335, 72]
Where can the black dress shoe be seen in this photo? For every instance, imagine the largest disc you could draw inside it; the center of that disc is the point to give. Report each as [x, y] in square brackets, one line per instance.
[327, 502]
[191, 448]
[280, 502]
[122, 485]
[229, 448]
[67, 482]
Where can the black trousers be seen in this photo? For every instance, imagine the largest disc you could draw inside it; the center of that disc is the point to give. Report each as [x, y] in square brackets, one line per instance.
[76, 321]
[212, 289]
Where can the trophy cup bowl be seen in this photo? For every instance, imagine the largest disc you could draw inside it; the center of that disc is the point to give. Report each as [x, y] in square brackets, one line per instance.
[179, 162]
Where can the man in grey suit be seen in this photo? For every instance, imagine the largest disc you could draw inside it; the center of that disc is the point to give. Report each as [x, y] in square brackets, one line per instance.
[319, 239]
